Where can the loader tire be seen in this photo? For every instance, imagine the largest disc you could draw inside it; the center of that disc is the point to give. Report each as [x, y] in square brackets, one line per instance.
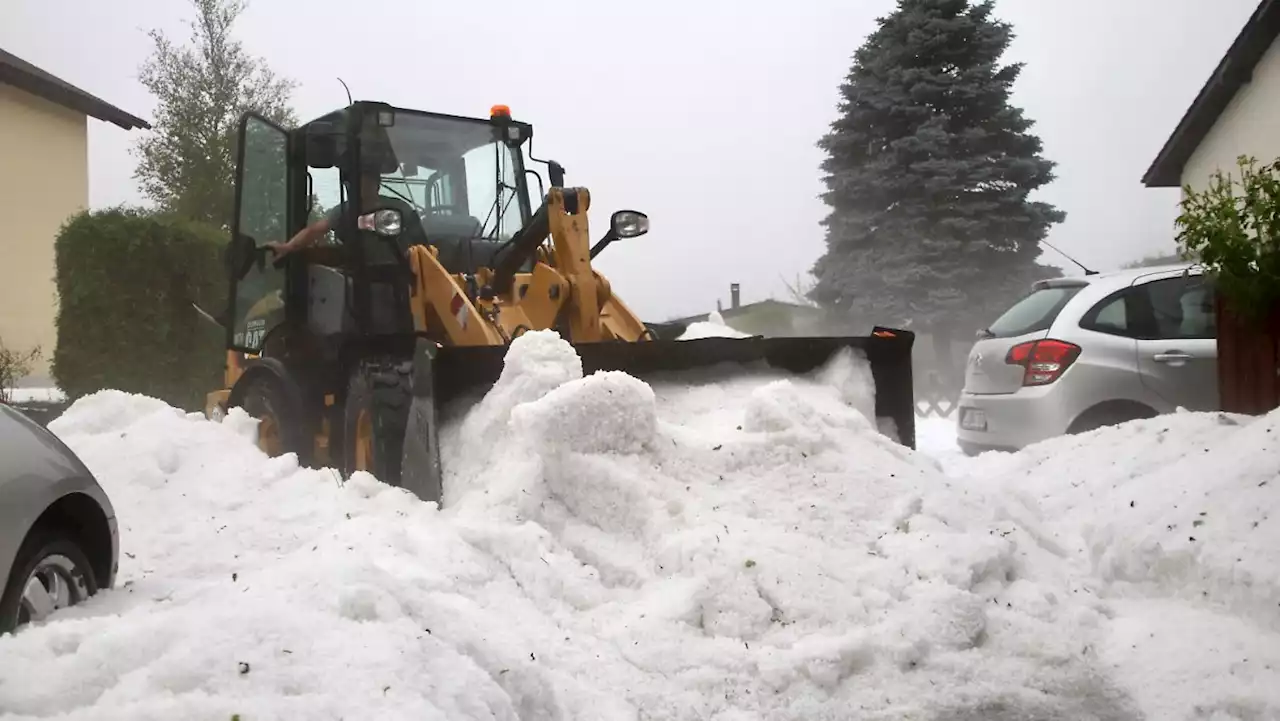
[374, 418]
[280, 427]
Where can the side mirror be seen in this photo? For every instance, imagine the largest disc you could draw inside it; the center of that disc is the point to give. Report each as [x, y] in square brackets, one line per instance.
[629, 224]
[555, 172]
[241, 254]
[623, 224]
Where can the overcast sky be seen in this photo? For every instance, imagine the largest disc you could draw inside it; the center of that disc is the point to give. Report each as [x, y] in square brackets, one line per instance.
[702, 113]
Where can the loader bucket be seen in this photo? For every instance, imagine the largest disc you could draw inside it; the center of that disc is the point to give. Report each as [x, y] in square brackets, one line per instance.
[445, 374]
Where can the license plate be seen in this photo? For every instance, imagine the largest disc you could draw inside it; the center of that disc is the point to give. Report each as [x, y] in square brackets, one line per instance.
[973, 419]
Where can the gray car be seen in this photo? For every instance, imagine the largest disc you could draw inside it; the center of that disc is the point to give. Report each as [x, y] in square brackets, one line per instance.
[1079, 353]
[59, 543]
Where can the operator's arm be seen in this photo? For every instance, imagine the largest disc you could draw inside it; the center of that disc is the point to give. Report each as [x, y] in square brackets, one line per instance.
[304, 238]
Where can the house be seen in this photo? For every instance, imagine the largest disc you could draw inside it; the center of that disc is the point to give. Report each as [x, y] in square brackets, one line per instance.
[779, 319]
[771, 318]
[1236, 112]
[45, 179]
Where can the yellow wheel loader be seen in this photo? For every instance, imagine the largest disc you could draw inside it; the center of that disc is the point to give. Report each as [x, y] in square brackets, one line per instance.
[435, 260]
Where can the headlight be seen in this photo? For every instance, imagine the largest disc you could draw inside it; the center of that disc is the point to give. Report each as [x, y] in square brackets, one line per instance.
[382, 222]
[630, 223]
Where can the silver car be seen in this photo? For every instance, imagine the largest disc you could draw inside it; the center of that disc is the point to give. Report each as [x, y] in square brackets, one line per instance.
[1084, 352]
[59, 543]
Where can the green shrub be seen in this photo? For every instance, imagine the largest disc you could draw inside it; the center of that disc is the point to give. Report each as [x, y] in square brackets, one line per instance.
[14, 366]
[126, 280]
[1233, 227]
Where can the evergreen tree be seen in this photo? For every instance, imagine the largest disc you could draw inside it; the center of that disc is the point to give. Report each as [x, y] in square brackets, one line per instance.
[928, 172]
[187, 164]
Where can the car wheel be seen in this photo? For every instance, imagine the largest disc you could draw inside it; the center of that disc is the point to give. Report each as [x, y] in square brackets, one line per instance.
[1109, 415]
[50, 573]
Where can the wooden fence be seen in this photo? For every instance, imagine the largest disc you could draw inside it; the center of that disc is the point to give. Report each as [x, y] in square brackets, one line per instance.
[1248, 362]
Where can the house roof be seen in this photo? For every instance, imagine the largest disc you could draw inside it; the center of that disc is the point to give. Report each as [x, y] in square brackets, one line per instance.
[21, 74]
[731, 313]
[1233, 71]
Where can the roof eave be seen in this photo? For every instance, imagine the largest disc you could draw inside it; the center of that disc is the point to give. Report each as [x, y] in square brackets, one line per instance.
[1233, 72]
[76, 99]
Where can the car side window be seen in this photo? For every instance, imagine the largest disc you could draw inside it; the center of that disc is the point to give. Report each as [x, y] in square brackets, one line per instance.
[1112, 315]
[1182, 308]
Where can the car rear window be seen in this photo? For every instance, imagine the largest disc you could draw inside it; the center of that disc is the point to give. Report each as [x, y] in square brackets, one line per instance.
[1035, 312]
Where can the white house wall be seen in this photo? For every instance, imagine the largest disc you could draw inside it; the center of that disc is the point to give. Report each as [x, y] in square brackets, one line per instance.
[1249, 126]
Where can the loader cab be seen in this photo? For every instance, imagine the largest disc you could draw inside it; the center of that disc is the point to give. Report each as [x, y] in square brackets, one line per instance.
[456, 183]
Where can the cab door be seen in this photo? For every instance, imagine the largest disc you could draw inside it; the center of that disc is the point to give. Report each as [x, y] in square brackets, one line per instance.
[261, 217]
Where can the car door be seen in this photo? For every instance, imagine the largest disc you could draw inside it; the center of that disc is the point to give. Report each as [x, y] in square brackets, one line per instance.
[1178, 352]
[1108, 335]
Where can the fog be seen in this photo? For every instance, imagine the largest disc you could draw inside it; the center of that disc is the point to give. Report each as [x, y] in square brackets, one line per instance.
[704, 115]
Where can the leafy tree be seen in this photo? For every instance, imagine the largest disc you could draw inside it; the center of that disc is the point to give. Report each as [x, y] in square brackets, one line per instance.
[187, 164]
[928, 173]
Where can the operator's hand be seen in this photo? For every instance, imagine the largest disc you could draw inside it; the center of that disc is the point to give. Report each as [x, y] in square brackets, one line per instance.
[280, 249]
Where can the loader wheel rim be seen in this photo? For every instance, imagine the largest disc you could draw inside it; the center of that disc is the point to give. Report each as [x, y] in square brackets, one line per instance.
[269, 441]
[364, 442]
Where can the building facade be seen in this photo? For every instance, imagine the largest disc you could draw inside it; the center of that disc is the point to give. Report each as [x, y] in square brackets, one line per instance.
[44, 154]
[1237, 112]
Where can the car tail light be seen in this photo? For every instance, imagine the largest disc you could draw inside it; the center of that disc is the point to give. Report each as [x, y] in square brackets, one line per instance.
[1044, 360]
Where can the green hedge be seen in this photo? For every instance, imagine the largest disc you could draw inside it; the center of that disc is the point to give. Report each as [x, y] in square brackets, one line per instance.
[1233, 227]
[126, 280]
